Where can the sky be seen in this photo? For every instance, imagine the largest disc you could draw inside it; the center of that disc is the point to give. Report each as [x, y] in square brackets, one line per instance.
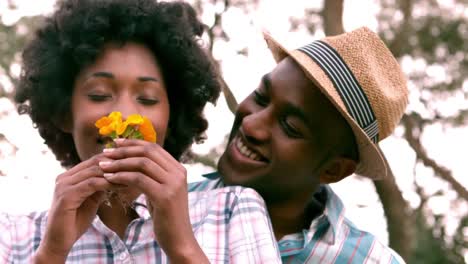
[31, 172]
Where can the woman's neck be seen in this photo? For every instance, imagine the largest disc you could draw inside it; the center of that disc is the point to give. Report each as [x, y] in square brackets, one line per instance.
[116, 215]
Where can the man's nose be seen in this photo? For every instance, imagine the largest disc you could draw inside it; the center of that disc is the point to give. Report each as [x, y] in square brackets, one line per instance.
[257, 126]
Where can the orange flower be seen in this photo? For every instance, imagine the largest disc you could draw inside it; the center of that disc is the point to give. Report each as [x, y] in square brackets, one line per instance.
[132, 120]
[147, 130]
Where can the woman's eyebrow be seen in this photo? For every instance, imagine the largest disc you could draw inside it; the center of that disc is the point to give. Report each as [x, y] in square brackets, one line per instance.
[147, 79]
[111, 76]
[103, 74]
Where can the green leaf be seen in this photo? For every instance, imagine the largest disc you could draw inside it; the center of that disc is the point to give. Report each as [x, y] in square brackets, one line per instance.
[128, 131]
[137, 135]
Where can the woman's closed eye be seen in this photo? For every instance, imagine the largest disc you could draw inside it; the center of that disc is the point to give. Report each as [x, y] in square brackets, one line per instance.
[99, 97]
[147, 101]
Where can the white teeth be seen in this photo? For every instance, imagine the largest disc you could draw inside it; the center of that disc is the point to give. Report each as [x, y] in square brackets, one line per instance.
[254, 156]
[244, 150]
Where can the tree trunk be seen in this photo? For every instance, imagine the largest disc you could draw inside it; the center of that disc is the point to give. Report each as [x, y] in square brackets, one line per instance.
[398, 218]
[332, 14]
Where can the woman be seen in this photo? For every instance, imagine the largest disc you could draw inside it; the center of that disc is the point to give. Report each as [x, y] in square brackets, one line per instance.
[93, 57]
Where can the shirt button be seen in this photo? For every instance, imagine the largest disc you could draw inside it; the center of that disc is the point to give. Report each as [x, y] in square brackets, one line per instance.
[123, 256]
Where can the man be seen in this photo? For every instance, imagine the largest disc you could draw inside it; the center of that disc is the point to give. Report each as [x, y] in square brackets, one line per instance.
[314, 120]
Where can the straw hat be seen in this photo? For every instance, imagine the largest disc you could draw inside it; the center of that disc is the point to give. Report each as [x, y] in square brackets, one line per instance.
[363, 80]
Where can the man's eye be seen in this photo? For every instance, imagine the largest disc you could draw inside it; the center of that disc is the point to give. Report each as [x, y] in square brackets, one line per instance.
[260, 99]
[290, 130]
[147, 101]
[98, 97]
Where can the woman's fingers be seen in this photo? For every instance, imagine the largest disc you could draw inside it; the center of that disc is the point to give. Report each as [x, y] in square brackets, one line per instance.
[138, 180]
[82, 171]
[139, 148]
[142, 165]
[74, 195]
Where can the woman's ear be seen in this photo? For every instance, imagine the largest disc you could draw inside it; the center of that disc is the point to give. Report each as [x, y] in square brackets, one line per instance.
[339, 169]
[65, 124]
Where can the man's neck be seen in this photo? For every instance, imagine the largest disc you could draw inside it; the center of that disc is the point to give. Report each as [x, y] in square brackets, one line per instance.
[294, 215]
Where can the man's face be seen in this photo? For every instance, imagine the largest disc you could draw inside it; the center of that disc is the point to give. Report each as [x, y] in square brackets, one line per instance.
[283, 136]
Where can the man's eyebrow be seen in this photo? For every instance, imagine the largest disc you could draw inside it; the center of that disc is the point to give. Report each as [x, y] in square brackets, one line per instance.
[266, 81]
[147, 79]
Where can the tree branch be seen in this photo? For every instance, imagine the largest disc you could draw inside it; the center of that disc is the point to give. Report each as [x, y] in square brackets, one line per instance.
[401, 36]
[412, 130]
[214, 32]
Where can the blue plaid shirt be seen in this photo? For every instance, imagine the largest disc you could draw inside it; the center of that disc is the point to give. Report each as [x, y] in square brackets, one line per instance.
[331, 238]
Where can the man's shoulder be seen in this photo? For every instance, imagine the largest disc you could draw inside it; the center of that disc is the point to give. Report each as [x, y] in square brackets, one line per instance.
[342, 241]
[358, 243]
[209, 191]
[212, 181]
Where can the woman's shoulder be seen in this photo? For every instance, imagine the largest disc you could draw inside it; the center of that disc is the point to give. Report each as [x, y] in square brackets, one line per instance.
[18, 219]
[23, 225]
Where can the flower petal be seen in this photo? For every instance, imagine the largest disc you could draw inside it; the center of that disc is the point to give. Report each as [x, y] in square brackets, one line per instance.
[102, 122]
[134, 119]
[147, 130]
[120, 128]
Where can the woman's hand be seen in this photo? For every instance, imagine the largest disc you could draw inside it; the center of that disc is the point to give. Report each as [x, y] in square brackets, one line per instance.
[152, 170]
[77, 196]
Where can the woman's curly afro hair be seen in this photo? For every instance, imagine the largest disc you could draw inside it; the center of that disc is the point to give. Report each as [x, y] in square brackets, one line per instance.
[73, 37]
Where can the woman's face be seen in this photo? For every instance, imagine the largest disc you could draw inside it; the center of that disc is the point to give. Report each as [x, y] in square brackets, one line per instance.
[125, 78]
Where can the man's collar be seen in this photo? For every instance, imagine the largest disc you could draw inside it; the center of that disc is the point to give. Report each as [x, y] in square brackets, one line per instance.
[212, 176]
[333, 215]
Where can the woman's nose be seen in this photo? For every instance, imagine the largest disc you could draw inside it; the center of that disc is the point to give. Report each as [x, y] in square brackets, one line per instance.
[126, 105]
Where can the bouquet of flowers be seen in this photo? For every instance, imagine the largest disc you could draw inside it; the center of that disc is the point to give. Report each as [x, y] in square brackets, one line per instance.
[134, 127]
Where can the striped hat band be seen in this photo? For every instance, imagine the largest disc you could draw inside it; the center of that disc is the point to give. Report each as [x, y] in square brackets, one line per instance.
[349, 89]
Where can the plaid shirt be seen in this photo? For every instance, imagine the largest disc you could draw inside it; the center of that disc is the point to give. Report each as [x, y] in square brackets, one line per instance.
[230, 224]
[331, 238]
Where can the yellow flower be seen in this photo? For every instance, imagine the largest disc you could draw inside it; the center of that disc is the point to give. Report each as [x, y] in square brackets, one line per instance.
[109, 124]
[134, 119]
[147, 130]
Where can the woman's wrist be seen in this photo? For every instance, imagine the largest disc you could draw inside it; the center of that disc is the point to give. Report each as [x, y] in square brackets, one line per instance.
[191, 252]
[43, 255]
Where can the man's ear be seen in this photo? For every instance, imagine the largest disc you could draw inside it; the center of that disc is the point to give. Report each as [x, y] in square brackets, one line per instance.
[339, 169]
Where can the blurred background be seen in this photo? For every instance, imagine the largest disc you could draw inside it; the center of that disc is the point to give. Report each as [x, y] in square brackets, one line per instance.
[421, 212]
